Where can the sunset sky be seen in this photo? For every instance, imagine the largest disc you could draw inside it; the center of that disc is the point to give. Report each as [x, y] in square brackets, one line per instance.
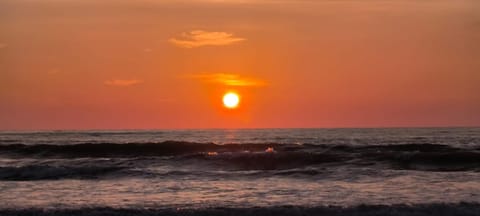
[147, 64]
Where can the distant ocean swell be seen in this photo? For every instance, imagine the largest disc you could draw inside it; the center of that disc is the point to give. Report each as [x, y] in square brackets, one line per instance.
[92, 161]
[460, 209]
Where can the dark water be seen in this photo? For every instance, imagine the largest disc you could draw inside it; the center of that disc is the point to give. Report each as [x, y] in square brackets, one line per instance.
[263, 172]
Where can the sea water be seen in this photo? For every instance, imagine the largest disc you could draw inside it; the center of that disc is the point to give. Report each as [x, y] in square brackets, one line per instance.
[197, 170]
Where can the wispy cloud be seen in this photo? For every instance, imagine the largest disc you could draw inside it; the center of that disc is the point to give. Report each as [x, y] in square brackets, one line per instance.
[227, 79]
[200, 38]
[123, 83]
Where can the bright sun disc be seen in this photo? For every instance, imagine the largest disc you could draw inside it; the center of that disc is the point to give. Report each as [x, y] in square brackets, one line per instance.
[231, 100]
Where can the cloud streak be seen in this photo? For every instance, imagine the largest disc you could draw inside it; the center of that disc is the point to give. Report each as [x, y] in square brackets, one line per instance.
[199, 38]
[122, 83]
[227, 79]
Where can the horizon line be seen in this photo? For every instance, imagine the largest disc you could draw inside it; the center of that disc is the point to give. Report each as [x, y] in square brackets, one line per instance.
[245, 128]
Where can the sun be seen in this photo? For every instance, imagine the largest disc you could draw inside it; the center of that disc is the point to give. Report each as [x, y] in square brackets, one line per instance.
[231, 100]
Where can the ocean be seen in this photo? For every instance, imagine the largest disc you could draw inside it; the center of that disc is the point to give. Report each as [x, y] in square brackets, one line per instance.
[387, 171]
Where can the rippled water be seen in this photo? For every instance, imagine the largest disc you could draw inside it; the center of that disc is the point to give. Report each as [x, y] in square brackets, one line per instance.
[239, 168]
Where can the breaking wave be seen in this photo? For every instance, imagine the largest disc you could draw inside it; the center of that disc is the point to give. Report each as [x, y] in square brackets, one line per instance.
[282, 159]
[169, 148]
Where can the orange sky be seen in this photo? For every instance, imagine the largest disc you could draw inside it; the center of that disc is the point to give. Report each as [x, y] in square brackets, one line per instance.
[85, 64]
